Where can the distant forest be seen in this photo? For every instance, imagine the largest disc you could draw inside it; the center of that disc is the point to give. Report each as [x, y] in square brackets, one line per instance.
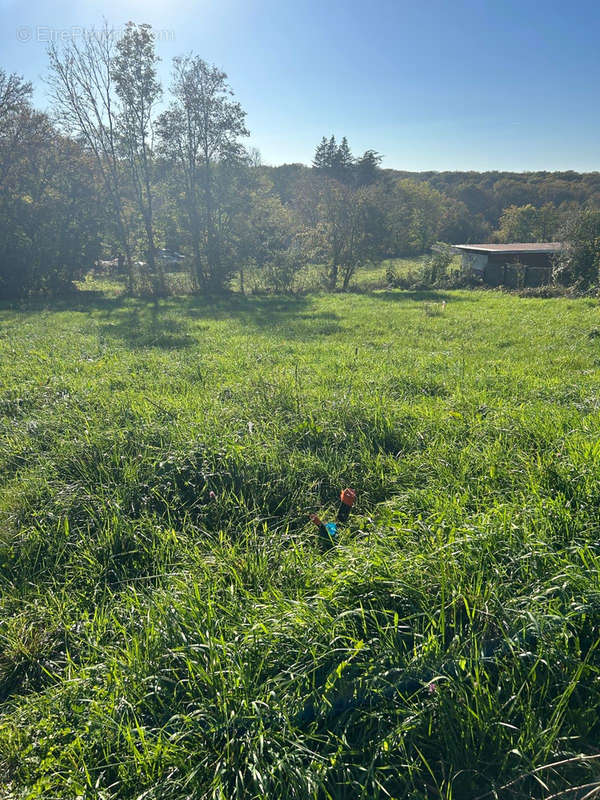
[489, 193]
[149, 180]
[477, 201]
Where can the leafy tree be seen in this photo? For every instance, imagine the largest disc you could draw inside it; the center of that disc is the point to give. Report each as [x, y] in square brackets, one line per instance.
[15, 99]
[549, 221]
[15, 94]
[579, 261]
[488, 194]
[348, 231]
[528, 223]
[49, 210]
[457, 224]
[518, 224]
[288, 180]
[439, 262]
[415, 213]
[15, 112]
[138, 89]
[82, 87]
[200, 131]
[268, 238]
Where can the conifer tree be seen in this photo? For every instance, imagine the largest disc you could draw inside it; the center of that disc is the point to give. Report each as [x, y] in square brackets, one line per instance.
[320, 159]
[366, 167]
[344, 159]
[332, 149]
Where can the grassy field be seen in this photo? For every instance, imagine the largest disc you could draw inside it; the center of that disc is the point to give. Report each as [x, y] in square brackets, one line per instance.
[160, 642]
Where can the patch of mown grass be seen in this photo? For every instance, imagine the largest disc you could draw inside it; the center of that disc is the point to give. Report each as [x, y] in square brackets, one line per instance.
[170, 626]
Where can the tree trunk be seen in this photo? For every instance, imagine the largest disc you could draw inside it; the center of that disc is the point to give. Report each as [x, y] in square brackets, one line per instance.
[348, 273]
[159, 287]
[125, 242]
[333, 276]
[212, 258]
[198, 272]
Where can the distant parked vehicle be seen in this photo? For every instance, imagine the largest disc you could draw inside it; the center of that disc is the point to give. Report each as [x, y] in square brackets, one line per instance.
[116, 264]
[166, 257]
[169, 258]
[106, 265]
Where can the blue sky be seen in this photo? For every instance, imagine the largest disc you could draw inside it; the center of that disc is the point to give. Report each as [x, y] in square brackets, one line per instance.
[454, 84]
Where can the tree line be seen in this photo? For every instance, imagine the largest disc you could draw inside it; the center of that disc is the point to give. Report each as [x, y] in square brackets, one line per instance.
[143, 176]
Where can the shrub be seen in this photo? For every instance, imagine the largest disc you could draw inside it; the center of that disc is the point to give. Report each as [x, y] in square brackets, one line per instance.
[438, 264]
[579, 261]
[544, 291]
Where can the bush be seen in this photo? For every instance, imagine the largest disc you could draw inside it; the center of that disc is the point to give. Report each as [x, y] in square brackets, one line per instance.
[544, 291]
[438, 264]
[579, 261]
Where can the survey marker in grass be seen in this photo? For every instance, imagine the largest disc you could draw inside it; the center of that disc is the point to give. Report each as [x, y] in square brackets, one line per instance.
[328, 530]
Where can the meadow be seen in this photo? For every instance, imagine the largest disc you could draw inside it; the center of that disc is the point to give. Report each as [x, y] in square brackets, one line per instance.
[170, 624]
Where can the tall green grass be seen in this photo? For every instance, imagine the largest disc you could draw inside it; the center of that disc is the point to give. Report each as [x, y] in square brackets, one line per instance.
[160, 641]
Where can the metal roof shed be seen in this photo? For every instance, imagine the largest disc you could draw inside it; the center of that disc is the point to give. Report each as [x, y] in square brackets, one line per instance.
[514, 264]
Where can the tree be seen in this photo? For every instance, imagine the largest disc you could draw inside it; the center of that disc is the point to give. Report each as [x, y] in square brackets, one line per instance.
[528, 223]
[320, 160]
[15, 93]
[459, 225]
[138, 89]
[199, 131]
[326, 156]
[579, 261]
[15, 110]
[518, 224]
[438, 264]
[49, 211]
[332, 160]
[266, 236]
[366, 168]
[331, 156]
[415, 213]
[548, 222]
[348, 233]
[344, 161]
[81, 81]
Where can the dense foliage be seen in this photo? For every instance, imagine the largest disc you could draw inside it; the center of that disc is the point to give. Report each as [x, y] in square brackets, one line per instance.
[579, 263]
[50, 215]
[489, 193]
[162, 642]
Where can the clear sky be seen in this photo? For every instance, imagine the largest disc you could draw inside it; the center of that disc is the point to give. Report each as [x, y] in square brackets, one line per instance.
[430, 84]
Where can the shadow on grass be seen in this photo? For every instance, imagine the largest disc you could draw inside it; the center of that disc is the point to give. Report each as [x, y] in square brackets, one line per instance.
[165, 323]
[146, 325]
[75, 301]
[416, 295]
[259, 309]
[288, 317]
